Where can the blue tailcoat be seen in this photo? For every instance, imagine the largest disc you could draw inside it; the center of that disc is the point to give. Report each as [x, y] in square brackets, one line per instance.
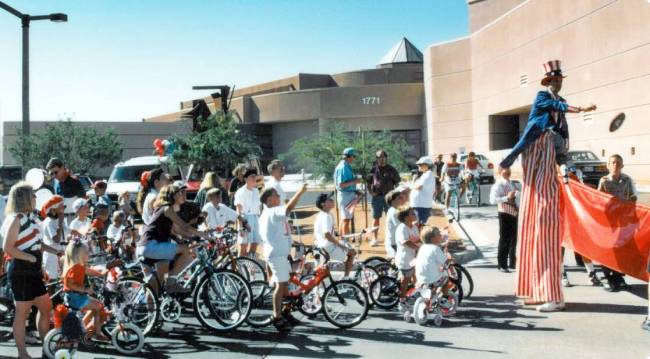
[539, 120]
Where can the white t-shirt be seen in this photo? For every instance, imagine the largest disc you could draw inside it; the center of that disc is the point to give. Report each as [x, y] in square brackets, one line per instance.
[423, 197]
[428, 262]
[147, 211]
[324, 224]
[79, 225]
[50, 260]
[218, 216]
[277, 186]
[275, 231]
[405, 254]
[249, 200]
[114, 233]
[391, 225]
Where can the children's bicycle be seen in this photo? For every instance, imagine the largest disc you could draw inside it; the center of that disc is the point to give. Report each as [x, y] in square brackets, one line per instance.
[69, 333]
[434, 301]
[344, 303]
[473, 189]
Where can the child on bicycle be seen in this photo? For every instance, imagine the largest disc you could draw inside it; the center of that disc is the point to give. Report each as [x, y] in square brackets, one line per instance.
[76, 294]
[395, 199]
[325, 235]
[408, 242]
[471, 169]
[122, 234]
[431, 258]
[451, 180]
[217, 215]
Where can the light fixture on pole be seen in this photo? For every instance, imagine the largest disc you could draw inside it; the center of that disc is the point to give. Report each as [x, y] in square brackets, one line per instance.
[26, 19]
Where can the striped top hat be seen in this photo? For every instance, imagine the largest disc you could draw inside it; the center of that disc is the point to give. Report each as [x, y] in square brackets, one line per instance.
[552, 69]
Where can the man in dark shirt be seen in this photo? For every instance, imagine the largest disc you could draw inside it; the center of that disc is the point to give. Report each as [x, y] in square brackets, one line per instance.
[383, 178]
[438, 164]
[65, 185]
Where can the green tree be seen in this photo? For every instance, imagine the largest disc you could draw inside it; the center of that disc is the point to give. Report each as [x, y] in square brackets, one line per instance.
[319, 154]
[83, 148]
[217, 145]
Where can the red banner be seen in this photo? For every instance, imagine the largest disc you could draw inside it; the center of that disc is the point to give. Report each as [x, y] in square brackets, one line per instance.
[609, 231]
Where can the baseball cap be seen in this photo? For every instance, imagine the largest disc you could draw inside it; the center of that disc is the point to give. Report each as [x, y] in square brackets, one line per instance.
[180, 184]
[350, 151]
[80, 202]
[424, 160]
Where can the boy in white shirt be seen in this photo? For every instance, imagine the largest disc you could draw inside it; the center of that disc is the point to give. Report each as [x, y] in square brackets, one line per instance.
[247, 202]
[395, 199]
[276, 235]
[122, 237]
[217, 215]
[80, 225]
[431, 258]
[407, 237]
[324, 234]
[54, 231]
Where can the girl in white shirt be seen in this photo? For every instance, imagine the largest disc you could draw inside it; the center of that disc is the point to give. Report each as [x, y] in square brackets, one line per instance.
[324, 233]
[408, 241]
[395, 199]
[423, 189]
[431, 258]
[150, 184]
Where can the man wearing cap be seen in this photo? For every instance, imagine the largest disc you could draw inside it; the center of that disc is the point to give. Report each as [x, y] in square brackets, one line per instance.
[383, 178]
[346, 187]
[65, 185]
[539, 258]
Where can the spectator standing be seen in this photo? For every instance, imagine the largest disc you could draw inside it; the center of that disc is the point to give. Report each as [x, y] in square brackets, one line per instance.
[54, 232]
[505, 196]
[237, 182]
[276, 171]
[65, 185]
[422, 190]
[346, 187]
[383, 178]
[210, 180]
[395, 199]
[23, 243]
[438, 164]
[622, 187]
[247, 202]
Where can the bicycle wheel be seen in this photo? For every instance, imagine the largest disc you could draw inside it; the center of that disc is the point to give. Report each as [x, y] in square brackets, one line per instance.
[249, 268]
[457, 289]
[127, 338]
[312, 302]
[385, 292]
[365, 276]
[465, 280]
[386, 269]
[261, 313]
[375, 260]
[7, 309]
[222, 301]
[345, 304]
[54, 343]
[134, 301]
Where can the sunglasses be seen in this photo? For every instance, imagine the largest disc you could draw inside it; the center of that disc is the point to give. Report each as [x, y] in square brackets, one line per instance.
[54, 173]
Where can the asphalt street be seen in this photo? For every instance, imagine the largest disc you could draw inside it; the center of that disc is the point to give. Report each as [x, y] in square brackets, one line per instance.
[491, 324]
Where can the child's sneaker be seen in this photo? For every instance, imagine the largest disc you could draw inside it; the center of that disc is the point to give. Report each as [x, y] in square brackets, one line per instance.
[565, 280]
[595, 281]
[373, 242]
[402, 306]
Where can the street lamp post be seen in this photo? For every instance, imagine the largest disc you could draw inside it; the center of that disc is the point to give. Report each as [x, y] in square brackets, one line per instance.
[26, 19]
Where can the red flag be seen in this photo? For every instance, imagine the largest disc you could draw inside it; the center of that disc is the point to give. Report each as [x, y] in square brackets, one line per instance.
[605, 229]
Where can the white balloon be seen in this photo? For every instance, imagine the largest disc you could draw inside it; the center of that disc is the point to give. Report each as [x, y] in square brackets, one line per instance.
[42, 195]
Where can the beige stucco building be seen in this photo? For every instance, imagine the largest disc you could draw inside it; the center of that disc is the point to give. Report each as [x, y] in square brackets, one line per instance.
[479, 88]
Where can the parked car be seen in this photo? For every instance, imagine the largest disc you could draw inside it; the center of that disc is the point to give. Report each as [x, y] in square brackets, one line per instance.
[126, 175]
[592, 167]
[487, 173]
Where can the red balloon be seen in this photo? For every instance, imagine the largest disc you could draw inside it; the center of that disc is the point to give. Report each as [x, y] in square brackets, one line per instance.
[157, 143]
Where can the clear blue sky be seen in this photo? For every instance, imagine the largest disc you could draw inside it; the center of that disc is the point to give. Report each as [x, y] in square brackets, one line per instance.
[122, 60]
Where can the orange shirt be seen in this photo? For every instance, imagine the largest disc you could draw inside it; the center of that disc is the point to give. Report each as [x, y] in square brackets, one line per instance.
[472, 164]
[75, 275]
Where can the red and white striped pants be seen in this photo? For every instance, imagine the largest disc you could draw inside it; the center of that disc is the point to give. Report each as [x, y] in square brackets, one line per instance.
[539, 259]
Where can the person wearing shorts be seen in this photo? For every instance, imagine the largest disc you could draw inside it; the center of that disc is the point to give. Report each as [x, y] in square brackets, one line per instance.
[324, 234]
[408, 241]
[451, 178]
[346, 187]
[247, 202]
[276, 237]
[383, 179]
[423, 189]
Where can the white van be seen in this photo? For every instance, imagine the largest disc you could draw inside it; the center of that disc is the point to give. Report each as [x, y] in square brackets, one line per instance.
[126, 175]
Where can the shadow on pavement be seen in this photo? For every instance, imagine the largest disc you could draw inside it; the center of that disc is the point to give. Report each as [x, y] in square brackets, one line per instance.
[605, 308]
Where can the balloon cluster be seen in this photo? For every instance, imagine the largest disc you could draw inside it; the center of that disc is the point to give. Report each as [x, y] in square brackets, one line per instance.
[164, 147]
